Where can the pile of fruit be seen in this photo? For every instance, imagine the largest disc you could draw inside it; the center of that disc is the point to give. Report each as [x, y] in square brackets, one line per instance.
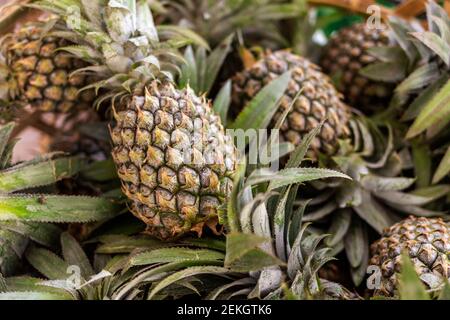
[227, 149]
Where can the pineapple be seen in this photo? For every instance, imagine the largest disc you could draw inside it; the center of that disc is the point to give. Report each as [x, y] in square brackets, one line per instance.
[376, 197]
[173, 157]
[346, 54]
[35, 73]
[393, 65]
[317, 101]
[427, 243]
[277, 255]
[424, 65]
[270, 253]
[147, 271]
[425, 72]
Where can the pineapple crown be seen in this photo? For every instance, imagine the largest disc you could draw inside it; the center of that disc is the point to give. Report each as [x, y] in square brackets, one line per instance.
[120, 41]
[217, 19]
[419, 65]
[286, 267]
[419, 58]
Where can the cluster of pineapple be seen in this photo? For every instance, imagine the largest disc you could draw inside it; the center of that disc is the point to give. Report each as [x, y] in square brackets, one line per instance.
[367, 112]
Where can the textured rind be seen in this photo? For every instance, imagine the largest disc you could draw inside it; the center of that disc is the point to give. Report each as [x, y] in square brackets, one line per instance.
[318, 100]
[345, 54]
[425, 240]
[173, 158]
[41, 76]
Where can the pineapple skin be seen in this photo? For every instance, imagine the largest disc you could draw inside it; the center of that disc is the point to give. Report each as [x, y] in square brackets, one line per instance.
[343, 57]
[425, 240]
[318, 100]
[40, 76]
[173, 158]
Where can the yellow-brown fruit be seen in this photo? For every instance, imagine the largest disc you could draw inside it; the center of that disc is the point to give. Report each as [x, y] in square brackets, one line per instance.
[40, 75]
[317, 101]
[345, 54]
[173, 158]
[425, 240]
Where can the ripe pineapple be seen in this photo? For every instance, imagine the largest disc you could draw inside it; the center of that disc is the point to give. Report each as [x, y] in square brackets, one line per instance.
[318, 100]
[172, 155]
[173, 159]
[346, 54]
[38, 75]
[425, 240]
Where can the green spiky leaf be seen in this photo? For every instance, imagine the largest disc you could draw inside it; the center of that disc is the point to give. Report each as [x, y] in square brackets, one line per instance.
[48, 263]
[289, 176]
[173, 32]
[443, 168]
[188, 272]
[74, 255]
[244, 253]
[297, 156]
[437, 110]
[435, 43]
[410, 286]
[222, 102]
[377, 183]
[384, 71]
[42, 233]
[5, 133]
[100, 171]
[189, 71]
[258, 113]
[371, 211]
[416, 107]
[445, 292]
[38, 174]
[215, 61]
[167, 255]
[355, 244]
[51, 208]
[339, 226]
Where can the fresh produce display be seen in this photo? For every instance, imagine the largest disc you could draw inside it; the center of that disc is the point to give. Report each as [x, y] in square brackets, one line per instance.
[310, 92]
[222, 150]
